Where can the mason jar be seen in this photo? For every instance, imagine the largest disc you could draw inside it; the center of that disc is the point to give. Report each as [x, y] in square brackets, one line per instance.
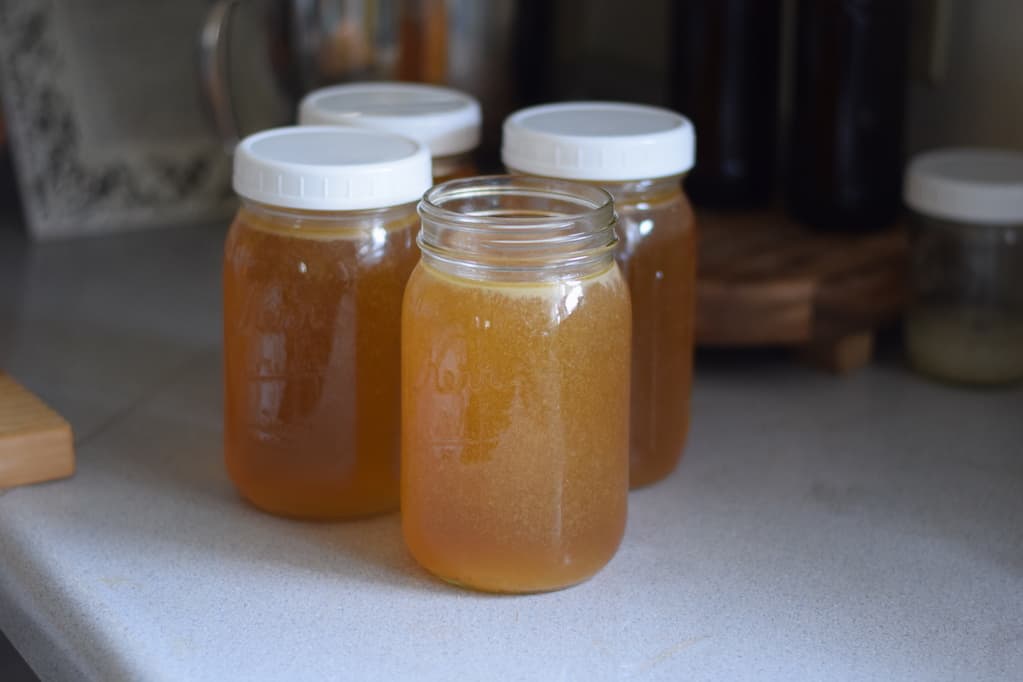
[515, 385]
[447, 121]
[966, 324]
[314, 270]
[639, 154]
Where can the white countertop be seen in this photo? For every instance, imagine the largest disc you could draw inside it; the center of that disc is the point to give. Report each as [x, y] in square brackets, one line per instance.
[869, 527]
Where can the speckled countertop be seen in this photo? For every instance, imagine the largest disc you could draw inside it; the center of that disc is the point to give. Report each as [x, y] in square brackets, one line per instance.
[863, 528]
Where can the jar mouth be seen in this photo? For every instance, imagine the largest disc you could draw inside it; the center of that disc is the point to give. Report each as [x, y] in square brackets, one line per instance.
[474, 201]
[511, 222]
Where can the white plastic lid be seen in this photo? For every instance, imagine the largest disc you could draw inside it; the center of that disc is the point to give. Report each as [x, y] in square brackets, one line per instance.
[598, 141]
[326, 168]
[971, 185]
[445, 120]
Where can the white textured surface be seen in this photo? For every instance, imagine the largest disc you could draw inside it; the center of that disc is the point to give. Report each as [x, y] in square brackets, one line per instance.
[445, 120]
[971, 185]
[331, 168]
[865, 528]
[611, 141]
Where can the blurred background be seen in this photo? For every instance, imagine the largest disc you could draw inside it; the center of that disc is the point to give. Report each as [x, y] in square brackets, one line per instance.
[120, 115]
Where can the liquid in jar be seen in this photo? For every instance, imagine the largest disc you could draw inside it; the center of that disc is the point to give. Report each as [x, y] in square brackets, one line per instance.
[315, 265]
[311, 340]
[515, 435]
[639, 154]
[657, 254]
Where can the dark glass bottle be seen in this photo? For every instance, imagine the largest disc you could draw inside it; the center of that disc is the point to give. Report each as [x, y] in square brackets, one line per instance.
[726, 82]
[845, 157]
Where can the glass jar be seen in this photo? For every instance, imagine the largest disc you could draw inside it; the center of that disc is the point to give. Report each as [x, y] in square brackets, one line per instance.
[848, 107]
[725, 78]
[639, 154]
[967, 322]
[314, 270]
[446, 121]
[515, 385]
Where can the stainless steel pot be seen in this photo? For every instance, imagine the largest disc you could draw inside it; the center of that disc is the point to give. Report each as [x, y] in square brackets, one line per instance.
[479, 46]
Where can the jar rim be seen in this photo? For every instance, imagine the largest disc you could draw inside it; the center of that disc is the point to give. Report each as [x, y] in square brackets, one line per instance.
[517, 224]
[592, 200]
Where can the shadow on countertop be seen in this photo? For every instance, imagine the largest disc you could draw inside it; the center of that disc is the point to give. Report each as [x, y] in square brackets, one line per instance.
[12, 667]
[160, 459]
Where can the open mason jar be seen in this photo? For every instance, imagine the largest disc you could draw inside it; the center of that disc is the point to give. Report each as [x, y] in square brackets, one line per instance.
[515, 385]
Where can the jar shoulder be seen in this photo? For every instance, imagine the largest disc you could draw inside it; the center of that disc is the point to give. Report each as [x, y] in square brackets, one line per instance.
[427, 286]
[313, 225]
[657, 225]
[670, 211]
[286, 233]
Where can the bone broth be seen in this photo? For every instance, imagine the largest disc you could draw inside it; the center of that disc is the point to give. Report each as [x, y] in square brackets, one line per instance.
[312, 307]
[515, 382]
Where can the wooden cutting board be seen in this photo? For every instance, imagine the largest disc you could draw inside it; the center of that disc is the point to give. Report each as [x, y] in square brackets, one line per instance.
[766, 280]
[35, 442]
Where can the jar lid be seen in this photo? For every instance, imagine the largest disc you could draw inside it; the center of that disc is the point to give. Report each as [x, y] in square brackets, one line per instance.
[445, 120]
[598, 141]
[327, 168]
[972, 185]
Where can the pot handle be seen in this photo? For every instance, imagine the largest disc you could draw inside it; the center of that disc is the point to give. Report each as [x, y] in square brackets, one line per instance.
[214, 69]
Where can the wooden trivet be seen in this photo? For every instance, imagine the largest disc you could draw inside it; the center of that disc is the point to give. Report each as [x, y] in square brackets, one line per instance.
[35, 441]
[766, 280]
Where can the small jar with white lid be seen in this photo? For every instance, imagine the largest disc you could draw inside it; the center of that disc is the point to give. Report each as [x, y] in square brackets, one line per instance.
[445, 120]
[966, 324]
[639, 154]
[315, 267]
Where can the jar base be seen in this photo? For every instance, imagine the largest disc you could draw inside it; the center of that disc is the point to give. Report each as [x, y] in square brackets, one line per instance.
[652, 476]
[965, 346]
[646, 470]
[314, 515]
[942, 376]
[508, 576]
[472, 587]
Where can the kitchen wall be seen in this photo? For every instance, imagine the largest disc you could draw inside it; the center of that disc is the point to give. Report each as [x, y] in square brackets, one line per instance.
[978, 97]
[602, 49]
[613, 49]
[608, 49]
